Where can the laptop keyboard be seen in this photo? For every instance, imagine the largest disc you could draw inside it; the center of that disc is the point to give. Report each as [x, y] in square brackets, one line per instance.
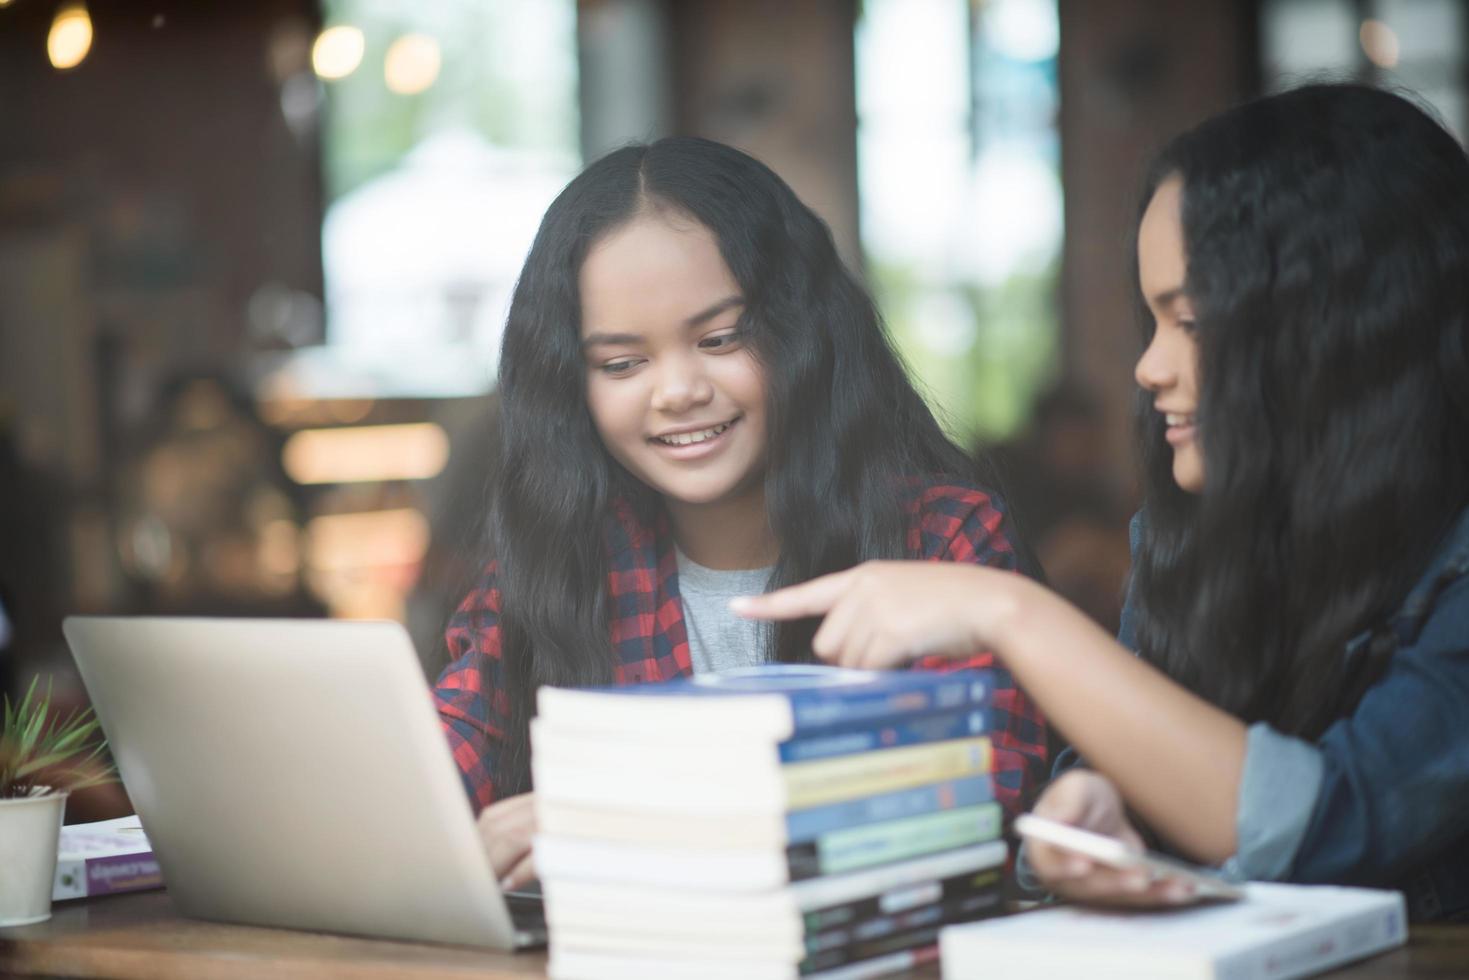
[528, 916]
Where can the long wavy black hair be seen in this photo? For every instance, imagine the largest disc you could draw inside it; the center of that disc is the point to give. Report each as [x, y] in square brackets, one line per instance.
[1327, 240]
[846, 426]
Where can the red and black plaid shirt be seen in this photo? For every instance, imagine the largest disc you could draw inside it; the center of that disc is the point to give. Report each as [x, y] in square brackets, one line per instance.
[951, 523]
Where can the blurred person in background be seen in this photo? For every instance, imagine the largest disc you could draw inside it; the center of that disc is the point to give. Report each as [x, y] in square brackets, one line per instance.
[1056, 479]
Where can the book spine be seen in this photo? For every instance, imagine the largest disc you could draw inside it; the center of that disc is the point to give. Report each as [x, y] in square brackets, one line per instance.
[817, 711]
[865, 847]
[950, 911]
[1316, 950]
[810, 784]
[880, 966]
[912, 731]
[808, 824]
[922, 937]
[884, 928]
[897, 901]
[88, 877]
[819, 893]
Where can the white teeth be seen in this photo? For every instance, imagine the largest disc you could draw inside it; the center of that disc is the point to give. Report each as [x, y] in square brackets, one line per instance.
[1173, 419]
[689, 438]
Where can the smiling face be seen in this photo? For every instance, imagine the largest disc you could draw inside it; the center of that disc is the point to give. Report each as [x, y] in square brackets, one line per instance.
[675, 394]
[1169, 368]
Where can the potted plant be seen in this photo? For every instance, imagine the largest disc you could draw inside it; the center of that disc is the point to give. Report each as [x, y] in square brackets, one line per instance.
[43, 758]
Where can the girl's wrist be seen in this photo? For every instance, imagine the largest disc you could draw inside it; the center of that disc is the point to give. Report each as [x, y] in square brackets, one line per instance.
[1004, 601]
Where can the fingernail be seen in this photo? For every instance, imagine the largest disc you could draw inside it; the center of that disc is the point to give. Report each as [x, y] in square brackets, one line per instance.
[1076, 866]
[505, 884]
[739, 604]
[1135, 882]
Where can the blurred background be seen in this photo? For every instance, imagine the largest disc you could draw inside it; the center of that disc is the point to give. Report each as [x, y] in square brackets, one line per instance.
[255, 257]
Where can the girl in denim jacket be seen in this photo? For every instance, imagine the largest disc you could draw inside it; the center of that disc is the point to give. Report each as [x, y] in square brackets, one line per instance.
[1290, 696]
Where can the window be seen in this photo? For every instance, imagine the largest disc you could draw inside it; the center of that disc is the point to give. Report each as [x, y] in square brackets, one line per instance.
[959, 177]
[445, 138]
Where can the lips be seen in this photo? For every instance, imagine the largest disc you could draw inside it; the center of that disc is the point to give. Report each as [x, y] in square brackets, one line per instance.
[1181, 428]
[693, 437]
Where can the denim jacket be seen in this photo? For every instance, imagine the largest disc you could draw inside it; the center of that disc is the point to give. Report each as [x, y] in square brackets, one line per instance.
[1382, 797]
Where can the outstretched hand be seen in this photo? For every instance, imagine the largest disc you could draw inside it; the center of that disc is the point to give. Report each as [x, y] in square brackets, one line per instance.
[885, 613]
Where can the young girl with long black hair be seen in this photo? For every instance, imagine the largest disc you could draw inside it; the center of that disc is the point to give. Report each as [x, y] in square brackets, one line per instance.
[1299, 706]
[697, 402]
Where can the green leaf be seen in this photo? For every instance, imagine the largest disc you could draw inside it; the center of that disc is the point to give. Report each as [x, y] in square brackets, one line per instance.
[40, 747]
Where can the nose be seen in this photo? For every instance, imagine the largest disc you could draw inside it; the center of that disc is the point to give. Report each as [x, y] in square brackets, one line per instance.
[1157, 369]
[681, 385]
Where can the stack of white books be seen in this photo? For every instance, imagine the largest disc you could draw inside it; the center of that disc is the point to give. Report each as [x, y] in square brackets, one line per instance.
[777, 822]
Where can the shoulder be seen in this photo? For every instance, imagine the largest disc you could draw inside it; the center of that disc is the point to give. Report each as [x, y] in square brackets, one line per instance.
[484, 596]
[473, 632]
[1442, 626]
[1435, 613]
[957, 520]
[1136, 528]
[952, 497]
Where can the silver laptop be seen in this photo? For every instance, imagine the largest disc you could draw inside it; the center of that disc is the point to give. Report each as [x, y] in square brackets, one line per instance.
[294, 773]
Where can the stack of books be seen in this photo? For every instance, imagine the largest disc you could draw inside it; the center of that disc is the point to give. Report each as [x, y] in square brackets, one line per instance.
[782, 821]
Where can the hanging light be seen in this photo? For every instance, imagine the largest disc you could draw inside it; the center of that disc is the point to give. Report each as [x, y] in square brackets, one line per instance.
[70, 38]
[337, 51]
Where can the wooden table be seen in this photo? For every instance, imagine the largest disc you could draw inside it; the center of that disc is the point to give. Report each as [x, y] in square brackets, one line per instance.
[140, 935]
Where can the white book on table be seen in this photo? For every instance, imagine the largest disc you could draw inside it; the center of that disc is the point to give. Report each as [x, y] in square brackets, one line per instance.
[1276, 932]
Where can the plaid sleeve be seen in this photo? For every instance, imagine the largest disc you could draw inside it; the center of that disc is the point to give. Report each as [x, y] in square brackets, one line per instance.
[470, 693]
[967, 525]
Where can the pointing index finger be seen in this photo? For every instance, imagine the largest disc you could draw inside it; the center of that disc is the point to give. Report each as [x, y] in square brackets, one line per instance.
[813, 598]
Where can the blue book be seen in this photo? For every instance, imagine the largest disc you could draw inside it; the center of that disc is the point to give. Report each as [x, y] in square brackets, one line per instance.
[776, 702]
[885, 734]
[855, 848]
[814, 822]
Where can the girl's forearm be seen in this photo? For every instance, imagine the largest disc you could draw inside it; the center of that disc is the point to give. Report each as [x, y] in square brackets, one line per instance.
[1176, 758]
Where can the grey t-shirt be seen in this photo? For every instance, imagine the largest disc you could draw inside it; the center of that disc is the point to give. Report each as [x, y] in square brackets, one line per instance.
[718, 639]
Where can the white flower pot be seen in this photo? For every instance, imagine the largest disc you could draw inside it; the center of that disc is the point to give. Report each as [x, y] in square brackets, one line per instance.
[30, 829]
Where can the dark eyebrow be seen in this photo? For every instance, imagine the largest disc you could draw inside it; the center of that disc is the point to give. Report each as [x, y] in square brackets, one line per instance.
[610, 339]
[1168, 297]
[698, 319]
[729, 302]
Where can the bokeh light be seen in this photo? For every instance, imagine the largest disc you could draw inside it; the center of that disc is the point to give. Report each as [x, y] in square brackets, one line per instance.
[70, 38]
[337, 51]
[412, 64]
[1379, 43]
